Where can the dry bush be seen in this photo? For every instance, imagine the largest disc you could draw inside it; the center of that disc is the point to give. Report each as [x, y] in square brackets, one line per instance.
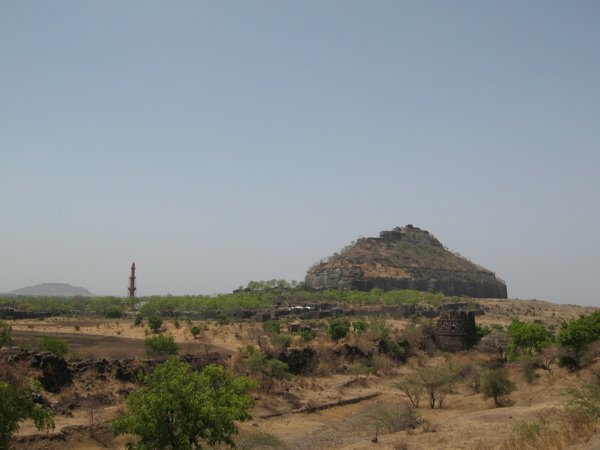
[412, 388]
[327, 363]
[394, 417]
[471, 374]
[590, 356]
[381, 364]
[495, 343]
[363, 343]
[567, 428]
[429, 427]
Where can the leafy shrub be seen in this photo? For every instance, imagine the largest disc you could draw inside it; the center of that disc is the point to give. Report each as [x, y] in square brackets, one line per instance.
[161, 345]
[338, 329]
[155, 323]
[399, 351]
[481, 331]
[271, 327]
[114, 312]
[308, 335]
[52, 344]
[138, 320]
[360, 325]
[195, 331]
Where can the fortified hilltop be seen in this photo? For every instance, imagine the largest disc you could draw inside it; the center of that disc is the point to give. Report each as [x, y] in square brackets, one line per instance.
[404, 258]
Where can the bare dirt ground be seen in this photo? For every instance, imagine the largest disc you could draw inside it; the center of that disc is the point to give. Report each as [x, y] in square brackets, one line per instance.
[467, 421]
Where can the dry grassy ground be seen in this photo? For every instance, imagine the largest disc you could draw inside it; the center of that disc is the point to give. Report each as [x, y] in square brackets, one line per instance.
[467, 421]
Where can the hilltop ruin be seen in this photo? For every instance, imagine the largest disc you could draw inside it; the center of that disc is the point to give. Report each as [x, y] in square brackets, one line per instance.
[405, 258]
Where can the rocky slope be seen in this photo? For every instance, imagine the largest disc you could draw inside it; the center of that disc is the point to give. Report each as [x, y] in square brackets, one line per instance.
[405, 258]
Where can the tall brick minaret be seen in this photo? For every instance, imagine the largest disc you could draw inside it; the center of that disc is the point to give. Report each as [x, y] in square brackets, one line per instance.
[132, 287]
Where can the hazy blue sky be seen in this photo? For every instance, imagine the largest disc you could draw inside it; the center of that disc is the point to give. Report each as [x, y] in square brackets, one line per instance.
[220, 142]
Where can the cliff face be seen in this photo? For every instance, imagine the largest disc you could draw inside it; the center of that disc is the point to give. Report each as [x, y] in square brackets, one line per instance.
[405, 258]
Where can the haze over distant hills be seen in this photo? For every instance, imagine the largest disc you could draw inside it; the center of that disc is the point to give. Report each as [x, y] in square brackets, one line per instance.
[53, 290]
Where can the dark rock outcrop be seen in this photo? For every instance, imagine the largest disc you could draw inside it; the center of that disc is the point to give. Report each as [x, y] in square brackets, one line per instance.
[404, 258]
[55, 371]
[300, 360]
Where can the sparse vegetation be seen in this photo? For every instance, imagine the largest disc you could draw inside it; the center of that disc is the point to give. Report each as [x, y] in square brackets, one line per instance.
[369, 359]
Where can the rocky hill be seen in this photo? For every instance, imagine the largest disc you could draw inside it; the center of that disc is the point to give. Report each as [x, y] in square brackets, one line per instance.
[405, 258]
[53, 290]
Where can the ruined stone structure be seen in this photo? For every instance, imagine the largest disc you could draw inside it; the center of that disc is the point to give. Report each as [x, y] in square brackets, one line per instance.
[404, 258]
[455, 331]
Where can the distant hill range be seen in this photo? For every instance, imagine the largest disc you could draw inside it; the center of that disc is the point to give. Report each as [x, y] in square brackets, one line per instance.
[53, 290]
[404, 258]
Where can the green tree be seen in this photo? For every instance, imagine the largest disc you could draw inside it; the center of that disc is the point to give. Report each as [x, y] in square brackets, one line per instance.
[527, 338]
[495, 384]
[155, 322]
[575, 335]
[178, 408]
[16, 404]
[338, 329]
[5, 334]
[161, 345]
[195, 331]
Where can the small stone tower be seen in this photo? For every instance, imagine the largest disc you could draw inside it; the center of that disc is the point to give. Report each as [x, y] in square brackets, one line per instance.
[455, 331]
[132, 287]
